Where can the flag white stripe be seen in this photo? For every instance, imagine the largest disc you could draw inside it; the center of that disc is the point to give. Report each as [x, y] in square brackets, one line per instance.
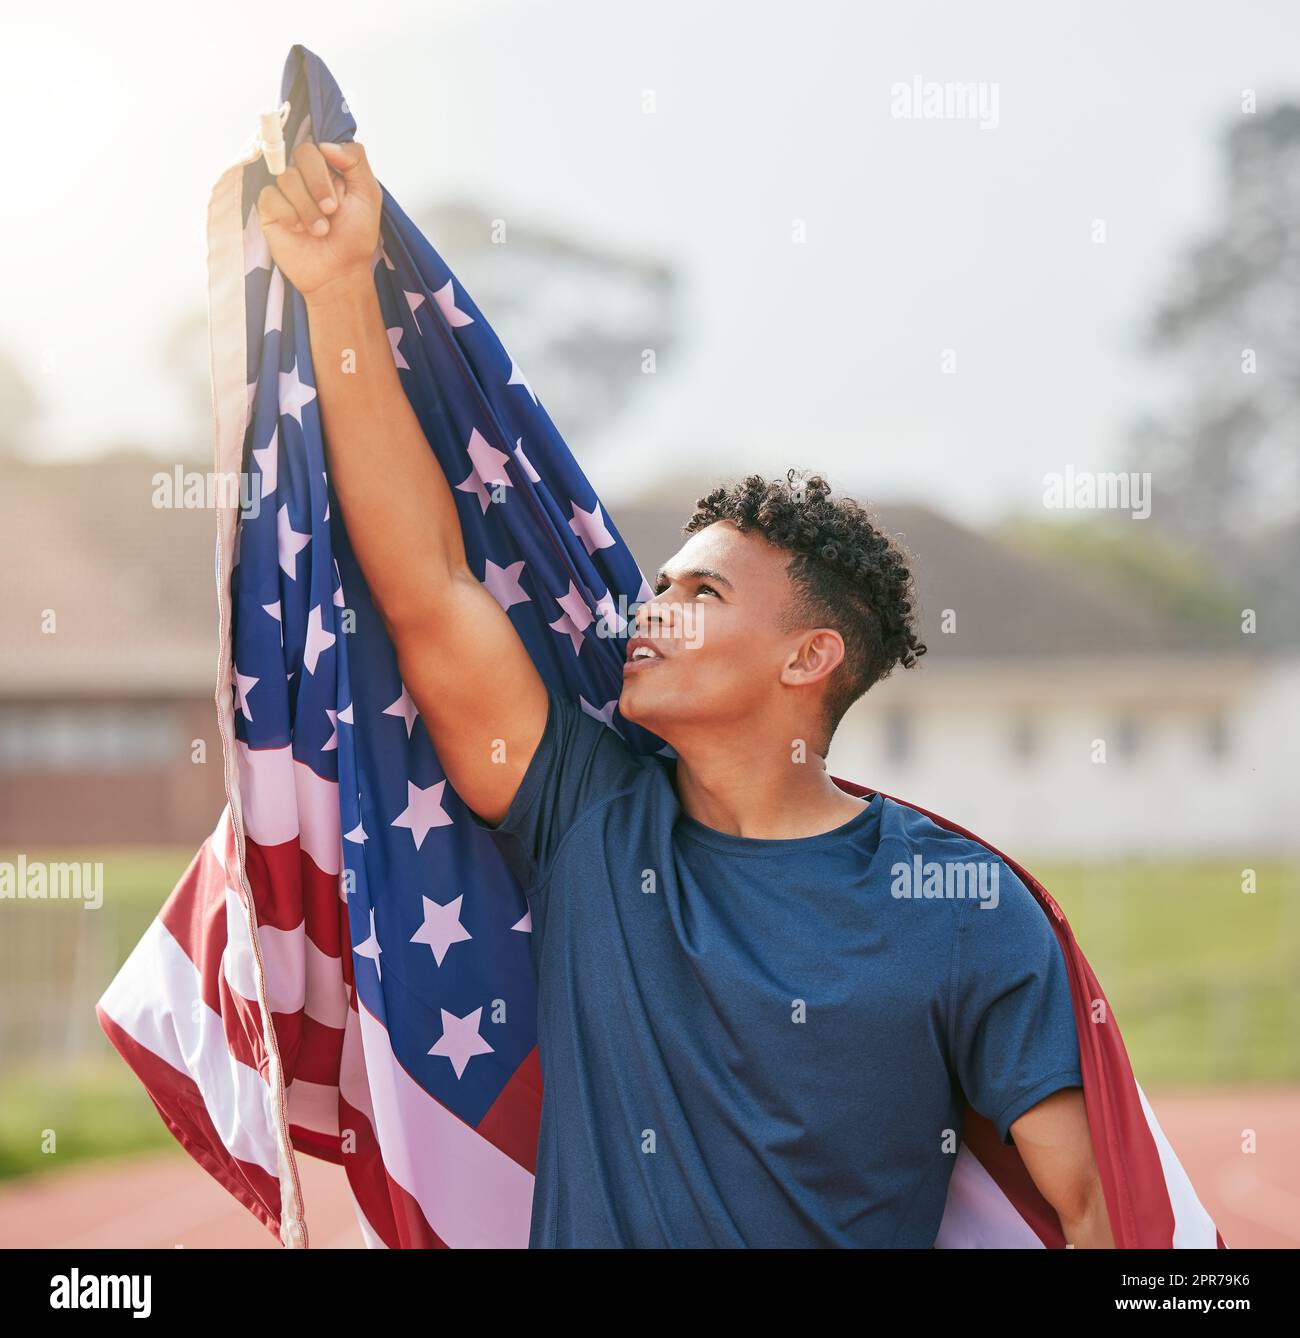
[283, 798]
[471, 1193]
[1194, 1229]
[156, 998]
[299, 975]
[313, 1106]
[368, 1233]
[978, 1215]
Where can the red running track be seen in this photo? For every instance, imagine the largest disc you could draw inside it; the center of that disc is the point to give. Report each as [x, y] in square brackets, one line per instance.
[164, 1200]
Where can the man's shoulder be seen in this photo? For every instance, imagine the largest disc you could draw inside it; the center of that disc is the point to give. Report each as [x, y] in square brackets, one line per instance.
[615, 761]
[601, 729]
[937, 856]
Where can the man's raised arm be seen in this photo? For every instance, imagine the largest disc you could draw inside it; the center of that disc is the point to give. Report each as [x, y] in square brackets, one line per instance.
[481, 699]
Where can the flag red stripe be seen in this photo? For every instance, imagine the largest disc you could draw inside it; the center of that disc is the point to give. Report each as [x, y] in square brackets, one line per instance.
[180, 1103]
[289, 890]
[394, 1215]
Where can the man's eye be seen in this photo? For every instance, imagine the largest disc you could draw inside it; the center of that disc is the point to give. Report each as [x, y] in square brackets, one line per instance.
[663, 586]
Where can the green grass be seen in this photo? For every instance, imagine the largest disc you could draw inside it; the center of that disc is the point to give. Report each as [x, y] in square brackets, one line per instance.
[93, 1109]
[1203, 979]
[1205, 983]
[59, 1073]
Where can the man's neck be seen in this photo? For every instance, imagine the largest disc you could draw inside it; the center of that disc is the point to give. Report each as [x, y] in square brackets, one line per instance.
[760, 790]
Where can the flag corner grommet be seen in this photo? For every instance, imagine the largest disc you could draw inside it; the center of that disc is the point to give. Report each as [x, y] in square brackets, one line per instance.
[270, 138]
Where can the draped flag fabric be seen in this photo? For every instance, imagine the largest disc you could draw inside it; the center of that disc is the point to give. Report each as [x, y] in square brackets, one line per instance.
[344, 969]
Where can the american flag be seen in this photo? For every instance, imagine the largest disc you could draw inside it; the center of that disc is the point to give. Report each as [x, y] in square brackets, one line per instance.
[344, 969]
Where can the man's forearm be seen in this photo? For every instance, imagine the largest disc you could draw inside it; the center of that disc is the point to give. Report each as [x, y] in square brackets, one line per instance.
[399, 510]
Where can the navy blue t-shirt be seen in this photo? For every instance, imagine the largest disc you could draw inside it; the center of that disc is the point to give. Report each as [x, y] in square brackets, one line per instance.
[750, 1042]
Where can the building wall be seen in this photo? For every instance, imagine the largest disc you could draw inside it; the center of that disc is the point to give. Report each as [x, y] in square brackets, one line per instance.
[98, 771]
[1204, 766]
[1184, 773]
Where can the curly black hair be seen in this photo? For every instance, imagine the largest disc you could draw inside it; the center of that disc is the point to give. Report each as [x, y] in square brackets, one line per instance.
[848, 574]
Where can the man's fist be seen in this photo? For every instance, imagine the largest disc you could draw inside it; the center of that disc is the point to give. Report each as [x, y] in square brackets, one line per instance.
[321, 217]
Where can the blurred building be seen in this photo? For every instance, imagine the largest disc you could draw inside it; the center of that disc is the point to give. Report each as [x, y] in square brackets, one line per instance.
[108, 659]
[1054, 714]
[108, 730]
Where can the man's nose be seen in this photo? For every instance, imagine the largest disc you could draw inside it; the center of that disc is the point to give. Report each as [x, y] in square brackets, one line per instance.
[654, 617]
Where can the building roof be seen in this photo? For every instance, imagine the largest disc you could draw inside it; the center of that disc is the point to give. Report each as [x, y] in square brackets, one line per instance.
[133, 594]
[1006, 603]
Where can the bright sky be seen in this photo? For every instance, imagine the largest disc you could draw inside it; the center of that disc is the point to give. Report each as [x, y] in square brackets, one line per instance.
[922, 235]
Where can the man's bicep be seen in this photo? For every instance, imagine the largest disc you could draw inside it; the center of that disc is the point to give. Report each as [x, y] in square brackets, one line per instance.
[478, 693]
[1054, 1141]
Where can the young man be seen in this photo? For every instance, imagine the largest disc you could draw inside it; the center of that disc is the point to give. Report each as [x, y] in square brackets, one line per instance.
[762, 1001]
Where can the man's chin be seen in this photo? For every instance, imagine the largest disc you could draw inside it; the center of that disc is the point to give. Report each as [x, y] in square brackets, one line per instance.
[627, 707]
[635, 704]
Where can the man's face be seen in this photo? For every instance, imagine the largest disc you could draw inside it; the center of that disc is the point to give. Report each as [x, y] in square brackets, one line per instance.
[708, 648]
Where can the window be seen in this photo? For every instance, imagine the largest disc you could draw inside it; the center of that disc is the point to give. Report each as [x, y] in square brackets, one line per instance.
[88, 736]
[1025, 738]
[1217, 740]
[899, 742]
[1128, 738]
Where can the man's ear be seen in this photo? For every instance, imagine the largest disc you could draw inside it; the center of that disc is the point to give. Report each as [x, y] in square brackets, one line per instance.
[817, 656]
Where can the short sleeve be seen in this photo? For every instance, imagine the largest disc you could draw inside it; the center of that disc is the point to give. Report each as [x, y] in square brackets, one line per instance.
[578, 762]
[1013, 1035]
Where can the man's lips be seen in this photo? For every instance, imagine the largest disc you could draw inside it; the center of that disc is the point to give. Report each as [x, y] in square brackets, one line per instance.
[649, 654]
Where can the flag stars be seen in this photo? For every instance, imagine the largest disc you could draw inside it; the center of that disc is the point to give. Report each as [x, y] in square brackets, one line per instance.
[268, 461]
[525, 461]
[370, 948]
[333, 741]
[274, 304]
[614, 622]
[576, 618]
[405, 708]
[244, 684]
[605, 714]
[517, 378]
[274, 610]
[294, 394]
[441, 927]
[395, 333]
[257, 251]
[289, 543]
[423, 811]
[502, 584]
[445, 297]
[589, 526]
[460, 1040]
[319, 640]
[487, 469]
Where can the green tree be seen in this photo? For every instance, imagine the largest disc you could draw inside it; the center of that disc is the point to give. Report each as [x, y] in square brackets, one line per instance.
[1225, 454]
